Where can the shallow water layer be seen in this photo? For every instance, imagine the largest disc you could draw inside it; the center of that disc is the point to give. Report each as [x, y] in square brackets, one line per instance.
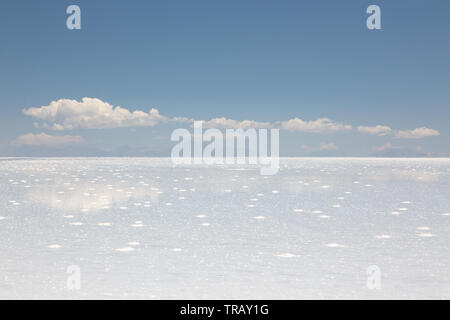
[141, 228]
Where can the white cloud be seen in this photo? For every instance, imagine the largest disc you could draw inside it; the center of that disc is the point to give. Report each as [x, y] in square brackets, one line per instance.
[328, 146]
[417, 133]
[224, 123]
[44, 139]
[385, 147]
[321, 125]
[379, 130]
[65, 114]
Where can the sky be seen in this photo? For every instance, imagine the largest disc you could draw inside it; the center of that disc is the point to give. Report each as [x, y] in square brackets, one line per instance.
[137, 70]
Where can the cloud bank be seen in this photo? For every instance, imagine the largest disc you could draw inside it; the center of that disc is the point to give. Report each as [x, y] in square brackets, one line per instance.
[321, 125]
[90, 113]
[224, 123]
[93, 113]
[379, 130]
[418, 133]
[46, 140]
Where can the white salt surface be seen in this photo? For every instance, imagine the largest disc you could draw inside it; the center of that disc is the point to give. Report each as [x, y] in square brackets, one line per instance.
[311, 231]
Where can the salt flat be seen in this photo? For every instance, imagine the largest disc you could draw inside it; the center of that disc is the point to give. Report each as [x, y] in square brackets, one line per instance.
[140, 228]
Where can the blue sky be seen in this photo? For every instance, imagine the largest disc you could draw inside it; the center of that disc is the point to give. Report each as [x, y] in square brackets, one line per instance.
[265, 61]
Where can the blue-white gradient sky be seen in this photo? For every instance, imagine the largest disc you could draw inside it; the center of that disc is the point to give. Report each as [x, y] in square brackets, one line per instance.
[310, 68]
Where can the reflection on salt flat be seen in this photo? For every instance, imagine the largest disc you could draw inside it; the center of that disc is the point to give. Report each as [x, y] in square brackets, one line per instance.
[142, 228]
[92, 197]
[417, 175]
